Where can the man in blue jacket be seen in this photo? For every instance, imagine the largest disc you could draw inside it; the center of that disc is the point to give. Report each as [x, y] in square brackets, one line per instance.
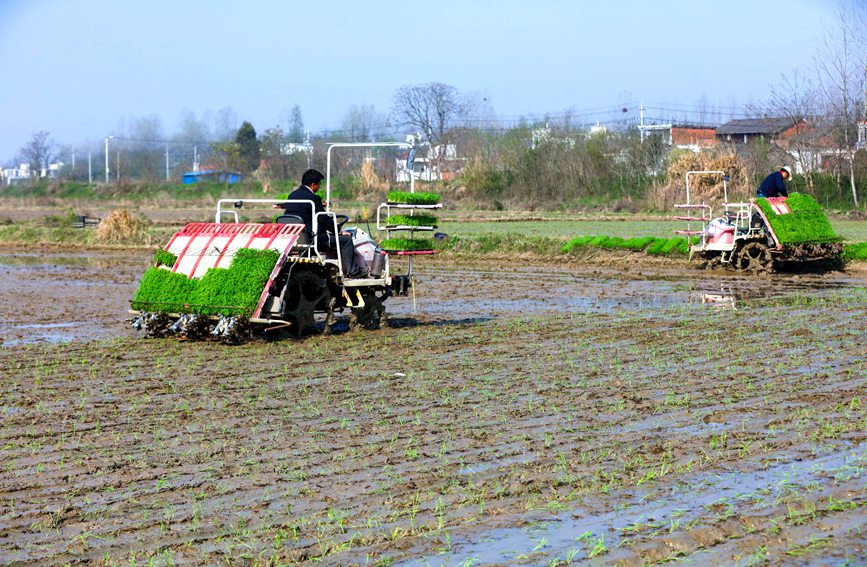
[774, 184]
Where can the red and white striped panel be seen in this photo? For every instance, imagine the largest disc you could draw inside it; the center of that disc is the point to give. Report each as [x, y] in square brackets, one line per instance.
[779, 205]
[203, 245]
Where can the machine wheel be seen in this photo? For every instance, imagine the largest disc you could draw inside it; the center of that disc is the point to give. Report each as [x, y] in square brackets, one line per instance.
[304, 291]
[754, 257]
[710, 261]
[371, 316]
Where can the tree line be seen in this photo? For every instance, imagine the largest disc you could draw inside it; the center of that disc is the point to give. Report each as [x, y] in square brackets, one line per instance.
[546, 162]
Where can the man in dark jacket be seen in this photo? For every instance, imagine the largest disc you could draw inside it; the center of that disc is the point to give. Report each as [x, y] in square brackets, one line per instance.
[310, 183]
[774, 184]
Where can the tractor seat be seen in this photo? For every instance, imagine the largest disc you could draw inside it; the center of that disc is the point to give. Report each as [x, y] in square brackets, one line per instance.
[289, 219]
[303, 238]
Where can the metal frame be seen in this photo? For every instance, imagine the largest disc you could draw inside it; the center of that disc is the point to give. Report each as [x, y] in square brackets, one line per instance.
[389, 206]
[406, 145]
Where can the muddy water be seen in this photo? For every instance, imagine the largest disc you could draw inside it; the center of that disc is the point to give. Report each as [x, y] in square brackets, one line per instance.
[56, 297]
[696, 499]
[61, 297]
[518, 429]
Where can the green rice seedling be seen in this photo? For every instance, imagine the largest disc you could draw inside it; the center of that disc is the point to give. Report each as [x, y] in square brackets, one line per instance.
[855, 251]
[637, 243]
[407, 244]
[577, 242]
[164, 258]
[231, 290]
[611, 242]
[656, 247]
[412, 220]
[806, 223]
[407, 198]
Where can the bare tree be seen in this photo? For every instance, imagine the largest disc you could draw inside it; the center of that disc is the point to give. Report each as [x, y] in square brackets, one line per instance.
[430, 107]
[193, 130]
[842, 70]
[39, 152]
[359, 123]
[146, 148]
[274, 162]
[226, 124]
[797, 99]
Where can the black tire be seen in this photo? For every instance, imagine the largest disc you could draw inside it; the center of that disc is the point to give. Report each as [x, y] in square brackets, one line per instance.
[371, 316]
[305, 291]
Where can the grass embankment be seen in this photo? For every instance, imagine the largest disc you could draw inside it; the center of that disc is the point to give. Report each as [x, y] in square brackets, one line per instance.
[221, 291]
[544, 238]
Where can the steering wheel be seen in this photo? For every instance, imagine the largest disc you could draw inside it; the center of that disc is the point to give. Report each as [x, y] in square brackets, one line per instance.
[341, 220]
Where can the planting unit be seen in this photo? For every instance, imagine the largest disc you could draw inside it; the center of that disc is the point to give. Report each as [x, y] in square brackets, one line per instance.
[761, 234]
[228, 278]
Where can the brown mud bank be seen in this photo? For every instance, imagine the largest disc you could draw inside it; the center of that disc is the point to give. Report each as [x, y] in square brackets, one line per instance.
[521, 415]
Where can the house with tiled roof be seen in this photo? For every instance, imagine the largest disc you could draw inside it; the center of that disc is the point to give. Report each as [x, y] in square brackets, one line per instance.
[745, 130]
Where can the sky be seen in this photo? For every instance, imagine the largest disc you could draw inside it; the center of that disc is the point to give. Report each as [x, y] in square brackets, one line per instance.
[80, 69]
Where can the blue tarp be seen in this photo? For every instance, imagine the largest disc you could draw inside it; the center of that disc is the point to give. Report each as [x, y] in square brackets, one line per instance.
[221, 176]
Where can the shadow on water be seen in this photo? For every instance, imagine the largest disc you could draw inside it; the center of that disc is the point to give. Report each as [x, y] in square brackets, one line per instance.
[404, 322]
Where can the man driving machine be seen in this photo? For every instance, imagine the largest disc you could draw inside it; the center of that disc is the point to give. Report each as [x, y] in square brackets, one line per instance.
[310, 183]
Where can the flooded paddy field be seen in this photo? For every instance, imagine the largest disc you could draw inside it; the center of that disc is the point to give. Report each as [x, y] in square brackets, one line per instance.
[520, 414]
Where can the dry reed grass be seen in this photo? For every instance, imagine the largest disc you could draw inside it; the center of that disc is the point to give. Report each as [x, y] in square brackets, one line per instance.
[703, 188]
[121, 226]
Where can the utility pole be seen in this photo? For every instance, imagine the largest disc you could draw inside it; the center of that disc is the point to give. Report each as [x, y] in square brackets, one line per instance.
[641, 122]
[195, 159]
[167, 162]
[89, 169]
[107, 138]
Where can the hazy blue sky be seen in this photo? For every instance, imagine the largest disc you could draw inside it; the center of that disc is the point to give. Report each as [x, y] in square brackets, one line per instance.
[78, 68]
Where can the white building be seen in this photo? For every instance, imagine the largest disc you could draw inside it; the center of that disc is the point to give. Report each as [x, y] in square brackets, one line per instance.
[23, 172]
[427, 169]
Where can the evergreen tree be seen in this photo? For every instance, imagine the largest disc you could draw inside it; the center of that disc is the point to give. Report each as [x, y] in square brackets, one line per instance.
[248, 147]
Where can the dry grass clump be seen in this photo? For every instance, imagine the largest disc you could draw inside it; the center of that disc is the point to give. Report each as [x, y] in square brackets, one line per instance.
[122, 227]
[371, 184]
[702, 188]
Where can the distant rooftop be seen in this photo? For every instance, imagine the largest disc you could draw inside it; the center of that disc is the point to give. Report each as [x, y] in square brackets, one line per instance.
[764, 126]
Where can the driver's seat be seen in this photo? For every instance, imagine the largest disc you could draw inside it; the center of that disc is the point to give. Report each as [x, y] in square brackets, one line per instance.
[303, 238]
[289, 219]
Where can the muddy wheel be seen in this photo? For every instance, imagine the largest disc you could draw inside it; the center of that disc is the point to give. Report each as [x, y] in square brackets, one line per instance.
[371, 316]
[710, 261]
[329, 316]
[754, 257]
[304, 291]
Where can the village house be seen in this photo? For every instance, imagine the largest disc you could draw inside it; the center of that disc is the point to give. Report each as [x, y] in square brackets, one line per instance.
[23, 172]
